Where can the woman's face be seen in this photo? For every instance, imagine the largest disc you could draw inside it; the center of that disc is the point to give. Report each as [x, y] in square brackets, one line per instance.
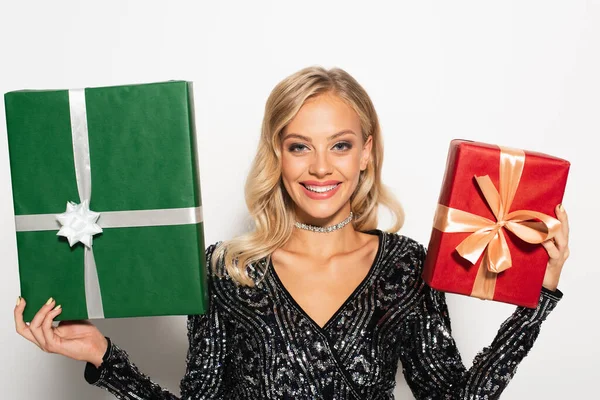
[322, 155]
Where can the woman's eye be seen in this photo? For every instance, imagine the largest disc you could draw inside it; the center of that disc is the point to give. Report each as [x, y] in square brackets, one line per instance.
[342, 146]
[296, 147]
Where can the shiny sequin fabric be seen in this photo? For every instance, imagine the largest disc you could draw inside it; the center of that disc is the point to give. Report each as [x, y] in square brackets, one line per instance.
[257, 343]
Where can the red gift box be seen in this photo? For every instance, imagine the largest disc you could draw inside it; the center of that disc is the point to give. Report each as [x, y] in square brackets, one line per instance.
[495, 206]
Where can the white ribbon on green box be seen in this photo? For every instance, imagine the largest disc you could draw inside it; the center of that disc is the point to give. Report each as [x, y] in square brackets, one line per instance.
[80, 223]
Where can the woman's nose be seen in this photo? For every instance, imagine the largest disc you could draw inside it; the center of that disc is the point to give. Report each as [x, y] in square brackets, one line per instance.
[321, 165]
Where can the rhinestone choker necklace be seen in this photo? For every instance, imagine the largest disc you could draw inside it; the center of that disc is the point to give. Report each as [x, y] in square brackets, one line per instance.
[324, 229]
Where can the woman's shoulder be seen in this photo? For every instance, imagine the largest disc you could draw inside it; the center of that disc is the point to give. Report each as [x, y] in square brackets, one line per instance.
[215, 262]
[396, 244]
[217, 271]
[402, 252]
[212, 268]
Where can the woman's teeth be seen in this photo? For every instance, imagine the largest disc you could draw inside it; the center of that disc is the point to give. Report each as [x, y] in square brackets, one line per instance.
[321, 189]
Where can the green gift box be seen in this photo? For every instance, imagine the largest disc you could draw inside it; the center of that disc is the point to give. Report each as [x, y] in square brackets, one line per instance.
[129, 154]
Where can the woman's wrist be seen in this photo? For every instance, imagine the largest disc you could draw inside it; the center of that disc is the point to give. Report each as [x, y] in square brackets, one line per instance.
[551, 279]
[98, 356]
[552, 287]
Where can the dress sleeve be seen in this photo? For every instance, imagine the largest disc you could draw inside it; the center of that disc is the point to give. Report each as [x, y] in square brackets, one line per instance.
[206, 361]
[431, 362]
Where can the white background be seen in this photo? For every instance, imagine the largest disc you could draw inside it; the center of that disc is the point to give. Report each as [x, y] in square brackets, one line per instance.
[518, 73]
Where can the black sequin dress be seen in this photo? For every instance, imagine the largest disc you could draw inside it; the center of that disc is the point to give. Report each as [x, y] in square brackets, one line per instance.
[257, 343]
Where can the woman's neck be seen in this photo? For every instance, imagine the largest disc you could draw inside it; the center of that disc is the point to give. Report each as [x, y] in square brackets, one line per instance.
[324, 245]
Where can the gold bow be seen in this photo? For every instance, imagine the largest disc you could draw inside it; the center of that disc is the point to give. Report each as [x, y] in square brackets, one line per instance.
[488, 236]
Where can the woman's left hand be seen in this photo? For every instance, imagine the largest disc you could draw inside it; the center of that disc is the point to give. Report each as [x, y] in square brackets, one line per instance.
[558, 250]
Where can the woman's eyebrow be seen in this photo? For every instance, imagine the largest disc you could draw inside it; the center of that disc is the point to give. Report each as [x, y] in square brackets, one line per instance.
[307, 139]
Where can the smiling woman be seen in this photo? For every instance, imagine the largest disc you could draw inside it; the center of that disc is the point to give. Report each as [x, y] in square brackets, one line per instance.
[319, 158]
[316, 302]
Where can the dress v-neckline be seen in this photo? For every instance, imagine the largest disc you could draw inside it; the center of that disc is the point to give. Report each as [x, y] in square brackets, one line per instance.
[357, 290]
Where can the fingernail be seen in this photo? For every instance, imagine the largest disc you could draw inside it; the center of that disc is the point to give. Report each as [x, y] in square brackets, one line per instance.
[50, 300]
[18, 300]
[56, 308]
[560, 207]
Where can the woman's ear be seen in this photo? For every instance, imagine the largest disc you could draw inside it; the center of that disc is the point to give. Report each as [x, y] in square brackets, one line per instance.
[366, 153]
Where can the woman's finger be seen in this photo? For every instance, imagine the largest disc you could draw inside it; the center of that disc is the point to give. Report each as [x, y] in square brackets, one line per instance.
[560, 240]
[551, 248]
[20, 325]
[564, 220]
[48, 329]
[36, 323]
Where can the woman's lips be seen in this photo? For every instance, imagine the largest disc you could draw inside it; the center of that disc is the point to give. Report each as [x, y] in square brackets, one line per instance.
[321, 196]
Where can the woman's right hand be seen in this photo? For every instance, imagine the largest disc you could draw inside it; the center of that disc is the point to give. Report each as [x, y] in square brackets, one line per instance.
[79, 340]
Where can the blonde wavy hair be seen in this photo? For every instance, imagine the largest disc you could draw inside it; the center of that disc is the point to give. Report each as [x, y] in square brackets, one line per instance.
[268, 202]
